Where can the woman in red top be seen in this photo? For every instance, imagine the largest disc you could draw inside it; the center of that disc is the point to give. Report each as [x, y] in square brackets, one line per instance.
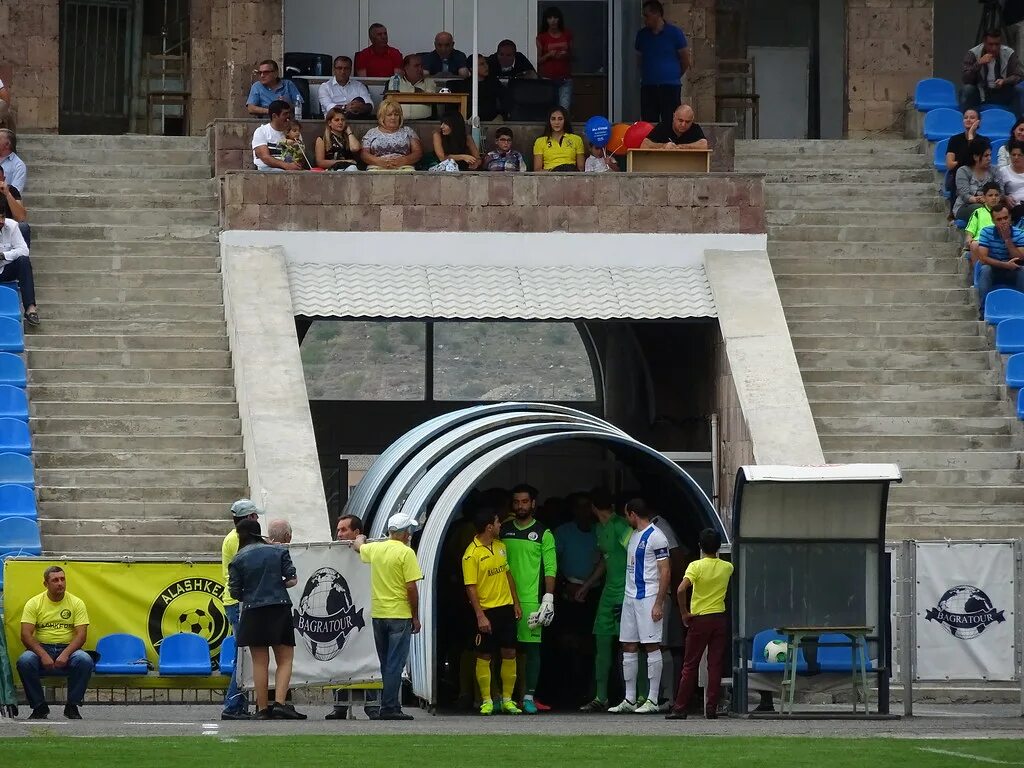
[554, 54]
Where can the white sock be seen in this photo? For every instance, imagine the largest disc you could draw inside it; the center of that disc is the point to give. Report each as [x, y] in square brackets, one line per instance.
[668, 673]
[528, 697]
[630, 662]
[654, 675]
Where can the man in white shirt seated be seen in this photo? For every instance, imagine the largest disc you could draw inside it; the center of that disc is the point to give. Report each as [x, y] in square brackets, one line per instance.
[267, 140]
[351, 96]
[5, 104]
[412, 80]
[14, 166]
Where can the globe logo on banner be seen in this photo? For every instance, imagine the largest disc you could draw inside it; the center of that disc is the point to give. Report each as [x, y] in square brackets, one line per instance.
[965, 611]
[326, 614]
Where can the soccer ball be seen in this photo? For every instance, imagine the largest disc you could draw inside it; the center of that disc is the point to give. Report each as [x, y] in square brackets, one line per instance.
[776, 651]
[197, 622]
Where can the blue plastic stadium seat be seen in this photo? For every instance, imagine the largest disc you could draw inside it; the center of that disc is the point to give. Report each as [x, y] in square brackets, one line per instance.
[1020, 405]
[13, 402]
[17, 501]
[16, 469]
[757, 662]
[10, 302]
[11, 337]
[836, 658]
[1010, 336]
[1002, 304]
[934, 93]
[14, 436]
[12, 370]
[939, 158]
[960, 224]
[121, 654]
[1015, 372]
[996, 146]
[942, 123]
[184, 654]
[19, 536]
[997, 124]
[228, 653]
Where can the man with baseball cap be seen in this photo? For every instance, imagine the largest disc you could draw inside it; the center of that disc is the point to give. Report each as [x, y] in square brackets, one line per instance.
[236, 703]
[394, 605]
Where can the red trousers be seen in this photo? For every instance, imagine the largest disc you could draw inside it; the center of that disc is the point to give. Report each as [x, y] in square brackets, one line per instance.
[703, 632]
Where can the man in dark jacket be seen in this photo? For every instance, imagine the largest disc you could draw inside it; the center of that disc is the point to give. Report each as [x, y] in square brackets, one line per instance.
[991, 73]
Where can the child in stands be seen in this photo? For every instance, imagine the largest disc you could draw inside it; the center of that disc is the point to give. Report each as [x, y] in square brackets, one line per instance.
[503, 157]
[292, 148]
[981, 218]
[600, 161]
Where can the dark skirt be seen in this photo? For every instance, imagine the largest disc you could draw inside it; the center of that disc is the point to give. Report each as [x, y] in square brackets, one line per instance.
[266, 626]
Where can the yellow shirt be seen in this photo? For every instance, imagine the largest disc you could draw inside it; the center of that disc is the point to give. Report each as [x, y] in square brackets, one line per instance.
[228, 550]
[710, 579]
[485, 567]
[392, 566]
[557, 154]
[55, 622]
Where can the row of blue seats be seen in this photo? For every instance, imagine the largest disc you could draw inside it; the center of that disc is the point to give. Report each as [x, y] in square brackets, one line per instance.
[934, 93]
[1004, 308]
[180, 654]
[941, 147]
[834, 654]
[19, 531]
[940, 124]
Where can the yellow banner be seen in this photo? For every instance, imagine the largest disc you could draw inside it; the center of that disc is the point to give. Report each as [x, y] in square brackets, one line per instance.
[148, 600]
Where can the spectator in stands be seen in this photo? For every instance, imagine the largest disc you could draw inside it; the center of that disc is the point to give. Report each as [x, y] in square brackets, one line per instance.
[378, 59]
[490, 91]
[991, 72]
[267, 149]
[14, 166]
[268, 88]
[391, 146]
[338, 149]
[664, 59]
[11, 203]
[293, 149]
[54, 626]
[259, 577]
[14, 262]
[554, 54]
[1012, 178]
[1000, 254]
[351, 96]
[503, 157]
[5, 104]
[1016, 134]
[680, 132]
[451, 142]
[446, 59]
[507, 62]
[279, 532]
[958, 150]
[599, 161]
[236, 702]
[411, 79]
[981, 218]
[970, 179]
[558, 148]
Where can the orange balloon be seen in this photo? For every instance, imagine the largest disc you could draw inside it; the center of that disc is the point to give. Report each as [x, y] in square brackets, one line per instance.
[616, 144]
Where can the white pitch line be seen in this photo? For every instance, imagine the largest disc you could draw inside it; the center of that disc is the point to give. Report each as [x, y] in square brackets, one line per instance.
[966, 756]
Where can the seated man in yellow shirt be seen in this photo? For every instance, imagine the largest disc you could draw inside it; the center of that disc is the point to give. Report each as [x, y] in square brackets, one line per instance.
[53, 628]
[706, 623]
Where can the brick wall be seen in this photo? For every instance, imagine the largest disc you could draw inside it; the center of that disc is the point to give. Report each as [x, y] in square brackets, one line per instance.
[482, 202]
[29, 63]
[697, 19]
[889, 48]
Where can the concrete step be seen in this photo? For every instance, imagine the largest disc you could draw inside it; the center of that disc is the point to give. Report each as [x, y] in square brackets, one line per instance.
[54, 358]
[859, 147]
[886, 236]
[128, 529]
[170, 293]
[997, 495]
[816, 251]
[58, 170]
[972, 476]
[115, 157]
[202, 201]
[907, 460]
[138, 311]
[876, 376]
[138, 425]
[149, 249]
[219, 495]
[191, 478]
[849, 162]
[857, 441]
[140, 444]
[101, 232]
[914, 425]
[852, 179]
[127, 342]
[51, 267]
[45, 142]
[895, 265]
[928, 513]
[856, 328]
[891, 361]
[882, 312]
[148, 281]
[131, 393]
[845, 218]
[835, 297]
[137, 460]
[136, 510]
[893, 343]
[870, 280]
[176, 328]
[220, 377]
[904, 392]
[57, 544]
[114, 186]
[891, 408]
[133, 409]
[952, 531]
[784, 198]
[111, 216]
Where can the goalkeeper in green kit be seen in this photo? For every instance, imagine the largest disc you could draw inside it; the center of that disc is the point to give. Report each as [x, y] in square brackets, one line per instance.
[531, 554]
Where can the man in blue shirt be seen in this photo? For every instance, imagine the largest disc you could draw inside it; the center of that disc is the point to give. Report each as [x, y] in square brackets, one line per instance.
[1000, 254]
[270, 88]
[664, 59]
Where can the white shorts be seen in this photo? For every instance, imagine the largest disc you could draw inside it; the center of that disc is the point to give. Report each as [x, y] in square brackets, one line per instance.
[636, 625]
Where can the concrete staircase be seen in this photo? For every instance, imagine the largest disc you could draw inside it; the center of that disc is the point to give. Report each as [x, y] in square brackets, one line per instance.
[896, 365]
[134, 420]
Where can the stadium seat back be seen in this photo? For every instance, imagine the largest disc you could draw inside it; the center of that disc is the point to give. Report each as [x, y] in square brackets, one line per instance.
[939, 158]
[1010, 336]
[1015, 372]
[14, 436]
[228, 653]
[185, 654]
[1020, 405]
[13, 402]
[531, 100]
[934, 93]
[17, 501]
[19, 536]
[121, 654]
[840, 658]
[10, 302]
[16, 469]
[12, 370]
[1002, 304]
[996, 146]
[997, 124]
[942, 123]
[757, 662]
[11, 337]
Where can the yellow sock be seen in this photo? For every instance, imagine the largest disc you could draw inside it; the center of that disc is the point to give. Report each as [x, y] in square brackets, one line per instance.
[508, 678]
[483, 678]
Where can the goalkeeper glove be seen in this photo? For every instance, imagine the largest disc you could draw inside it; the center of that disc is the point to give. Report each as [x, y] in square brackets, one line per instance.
[546, 614]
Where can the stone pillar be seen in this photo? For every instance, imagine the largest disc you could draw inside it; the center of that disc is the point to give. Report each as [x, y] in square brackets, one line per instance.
[29, 31]
[889, 48]
[697, 19]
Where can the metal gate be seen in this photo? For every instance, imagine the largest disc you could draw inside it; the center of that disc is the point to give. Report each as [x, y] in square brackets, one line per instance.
[96, 60]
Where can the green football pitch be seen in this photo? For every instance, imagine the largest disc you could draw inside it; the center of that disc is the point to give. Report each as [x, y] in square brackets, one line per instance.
[509, 751]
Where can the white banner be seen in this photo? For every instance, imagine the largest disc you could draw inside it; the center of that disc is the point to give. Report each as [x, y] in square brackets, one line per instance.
[965, 619]
[331, 615]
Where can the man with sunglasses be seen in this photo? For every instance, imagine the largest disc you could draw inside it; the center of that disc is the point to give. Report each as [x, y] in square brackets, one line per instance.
[268, 88]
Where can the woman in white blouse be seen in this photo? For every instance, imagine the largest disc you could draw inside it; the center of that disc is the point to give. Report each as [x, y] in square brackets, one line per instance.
[1016, 134]
[1012, 177]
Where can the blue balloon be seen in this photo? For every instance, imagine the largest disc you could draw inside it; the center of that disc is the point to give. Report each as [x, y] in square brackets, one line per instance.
[598, 131]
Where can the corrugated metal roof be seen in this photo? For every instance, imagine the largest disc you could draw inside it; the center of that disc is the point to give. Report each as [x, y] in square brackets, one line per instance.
[500, 292]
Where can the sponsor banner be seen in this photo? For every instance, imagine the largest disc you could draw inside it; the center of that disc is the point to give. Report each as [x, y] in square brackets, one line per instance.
[965, 621]
[331, 616]
[148, 600]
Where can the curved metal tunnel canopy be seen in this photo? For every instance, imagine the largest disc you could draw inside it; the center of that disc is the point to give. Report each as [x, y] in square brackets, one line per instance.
[430, 470]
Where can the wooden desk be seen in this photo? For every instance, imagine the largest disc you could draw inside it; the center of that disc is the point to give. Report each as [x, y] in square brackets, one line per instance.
[459, 99]
[858, 661]
[668, 160]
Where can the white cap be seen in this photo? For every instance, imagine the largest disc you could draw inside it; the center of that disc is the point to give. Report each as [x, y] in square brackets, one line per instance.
[402, 521]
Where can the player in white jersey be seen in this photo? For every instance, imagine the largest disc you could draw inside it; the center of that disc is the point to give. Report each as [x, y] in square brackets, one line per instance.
[643, 607]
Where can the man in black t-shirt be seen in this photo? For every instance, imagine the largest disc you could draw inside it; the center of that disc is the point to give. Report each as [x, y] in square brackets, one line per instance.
[679, 133]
